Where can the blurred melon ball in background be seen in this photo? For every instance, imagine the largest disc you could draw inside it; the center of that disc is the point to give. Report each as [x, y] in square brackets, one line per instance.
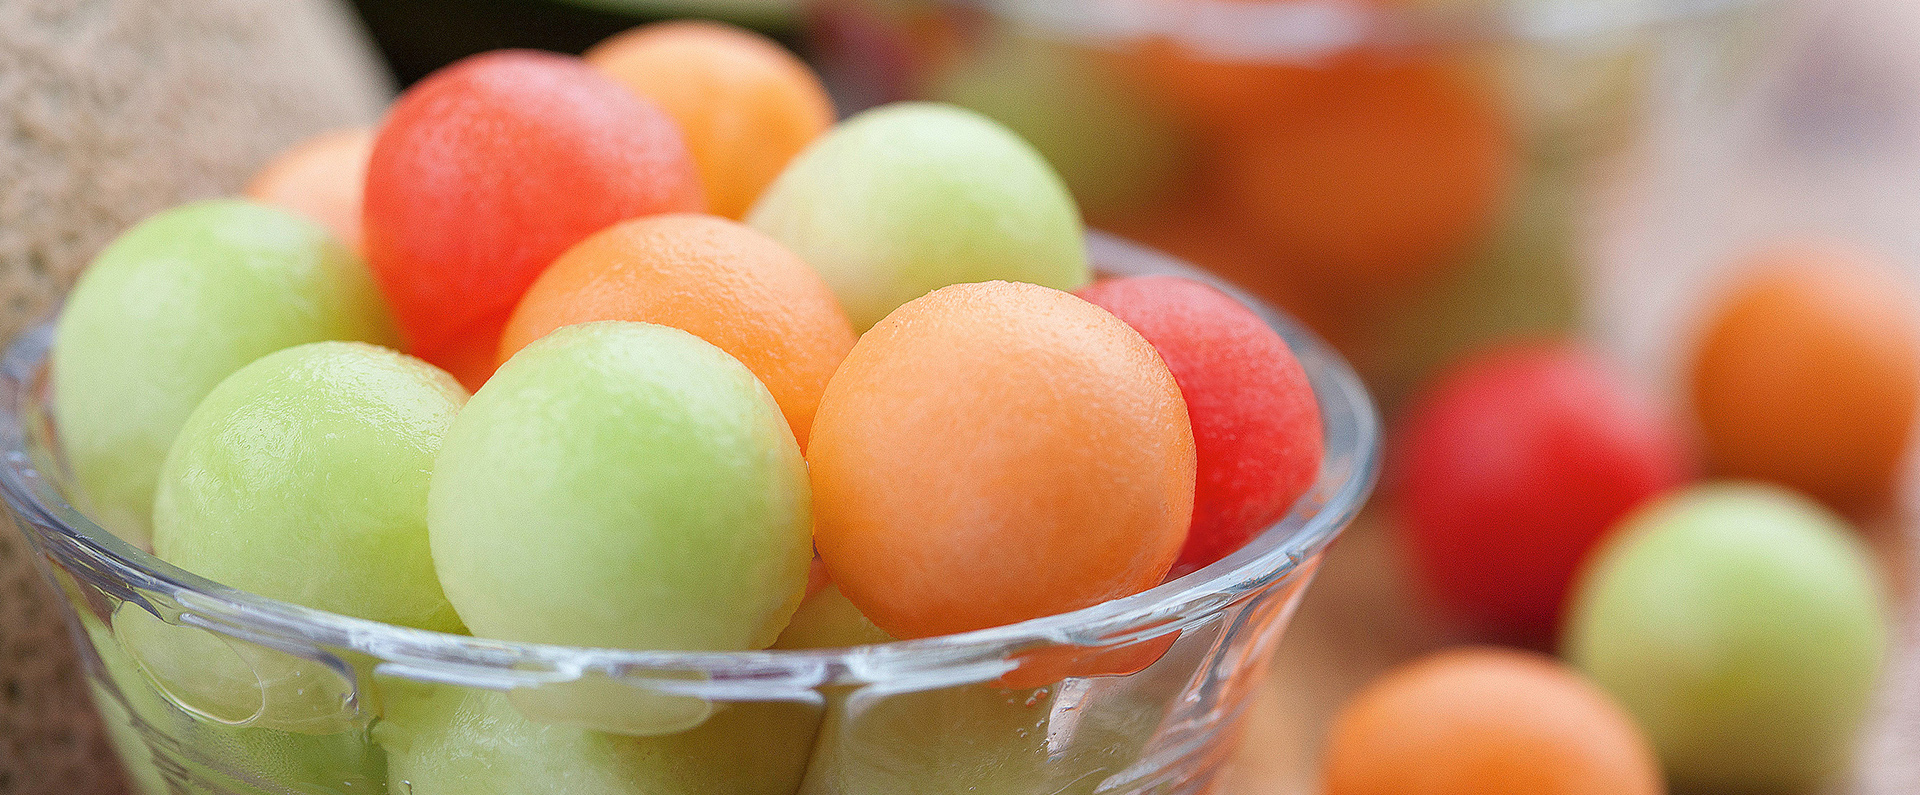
[323, 178]
[1056, 95]
[1487, 721]
[1514, 465]
[1807, 373]
[1377, 179]
[1744, 627]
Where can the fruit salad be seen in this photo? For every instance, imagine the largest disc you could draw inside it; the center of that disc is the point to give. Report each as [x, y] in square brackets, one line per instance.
[641, 352]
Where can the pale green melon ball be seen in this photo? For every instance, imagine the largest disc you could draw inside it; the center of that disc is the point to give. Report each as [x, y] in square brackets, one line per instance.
[622, 485]
[222, 679]
[212, 751]
[1115, 152]
[975, 739]
[129, 697]
[171, 307]
[303, 477]
[445, 740]
[911, 197]
[136, 759]
[950, 741]
[1743, 627]
[827, 620]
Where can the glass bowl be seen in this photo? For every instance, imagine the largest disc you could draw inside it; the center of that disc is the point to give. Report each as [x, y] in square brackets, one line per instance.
[1411, 178]
[211, 690]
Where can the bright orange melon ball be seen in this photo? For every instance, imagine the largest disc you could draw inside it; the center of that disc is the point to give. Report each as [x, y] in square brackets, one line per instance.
[1388, 173]
[1219, 90]
[994, 452]
[1485, 721]
[1808, 375]
[719, 280]
[321, 178]
[747, 105]
[1212, 95]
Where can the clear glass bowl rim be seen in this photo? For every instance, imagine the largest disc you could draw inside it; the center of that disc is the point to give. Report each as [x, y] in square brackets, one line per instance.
[1347, 476]
[1308, 29]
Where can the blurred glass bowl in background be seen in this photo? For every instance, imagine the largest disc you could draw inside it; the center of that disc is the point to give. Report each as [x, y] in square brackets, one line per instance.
[1413, 178]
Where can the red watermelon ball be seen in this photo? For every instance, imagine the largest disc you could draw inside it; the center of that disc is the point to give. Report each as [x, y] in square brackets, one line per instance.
[488, 169]
[1515, 464]
[1256, 427]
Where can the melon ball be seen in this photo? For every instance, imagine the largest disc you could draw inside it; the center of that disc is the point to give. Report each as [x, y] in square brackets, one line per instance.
[1744, 627]
[170, 308]
[1256, 427]
[980, 739]
[723, 281]
[971, 738]
[1525, 281]
[1808, 375]
[1212, 91]
[1515, 465]
[997, 452]
[907, 198]
[622, 485]
[816, 576]
[1484, 721]
[134, 712]
[225, 680]
[446, 740]
[826, 620]
[322, 178]
[303, 477]
[1109, 145]
[136, 759]
[122, 694]
[746, 105]
[1377, 179]
[491, 167]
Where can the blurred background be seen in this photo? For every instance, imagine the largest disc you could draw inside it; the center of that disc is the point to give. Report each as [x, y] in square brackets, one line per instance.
[1421, 181]
[1476, 168]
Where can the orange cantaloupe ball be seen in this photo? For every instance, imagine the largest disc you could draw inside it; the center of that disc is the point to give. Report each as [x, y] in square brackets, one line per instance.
[1487, 721]
[994, 452]
[747, 105]
[1808, 375]
[321, 178]
[720, 280]
[1386, 175]
[1217, 89]
[1210, 94]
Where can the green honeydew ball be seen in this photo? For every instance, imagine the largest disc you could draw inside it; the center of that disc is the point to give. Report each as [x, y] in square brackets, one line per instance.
[445, 740]
[303, 477]
[1743, 627]
[979, 740]
[1114, 150]
[622, 485]
[209, 751]
[911, 197]
[171, 307]
[827, 620]
[121, 694]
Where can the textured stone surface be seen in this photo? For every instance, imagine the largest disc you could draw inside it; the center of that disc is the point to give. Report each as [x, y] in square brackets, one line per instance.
[111, 110]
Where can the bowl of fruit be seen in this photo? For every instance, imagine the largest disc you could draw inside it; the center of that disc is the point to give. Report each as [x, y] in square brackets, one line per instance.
[575, 433]
[1412, 178]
